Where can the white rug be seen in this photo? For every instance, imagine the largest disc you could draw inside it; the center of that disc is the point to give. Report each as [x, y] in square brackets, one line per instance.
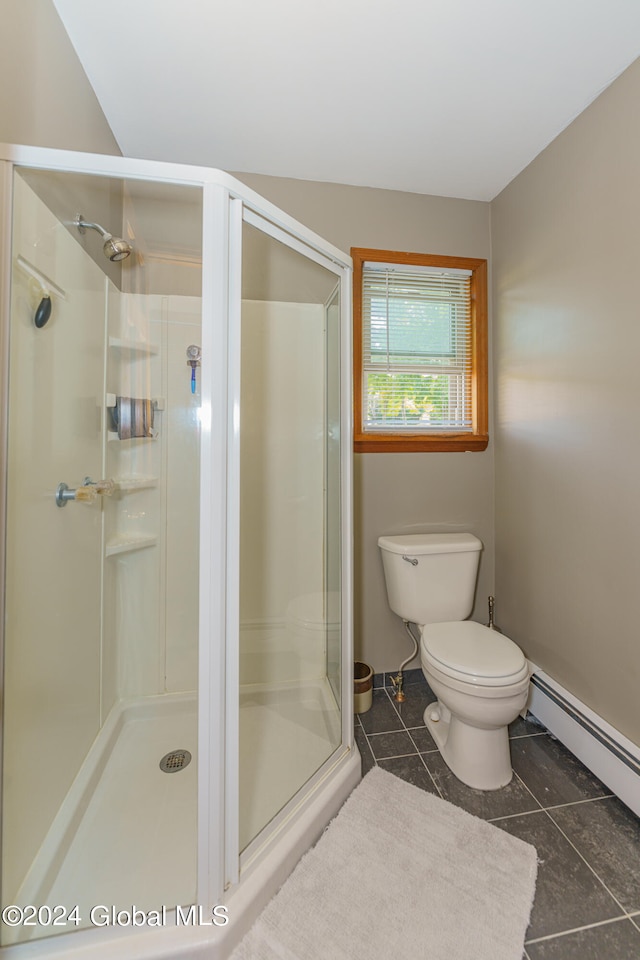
[401, 873]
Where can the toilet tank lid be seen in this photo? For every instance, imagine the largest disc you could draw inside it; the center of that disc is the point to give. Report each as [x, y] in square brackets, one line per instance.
[417, 544]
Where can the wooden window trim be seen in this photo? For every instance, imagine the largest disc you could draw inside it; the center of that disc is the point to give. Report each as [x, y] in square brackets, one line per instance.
[439, 442]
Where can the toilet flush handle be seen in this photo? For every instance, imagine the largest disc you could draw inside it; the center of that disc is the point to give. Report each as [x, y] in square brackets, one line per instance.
[411, 560]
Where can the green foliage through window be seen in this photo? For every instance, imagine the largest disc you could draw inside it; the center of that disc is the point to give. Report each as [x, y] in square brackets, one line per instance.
[401, 399]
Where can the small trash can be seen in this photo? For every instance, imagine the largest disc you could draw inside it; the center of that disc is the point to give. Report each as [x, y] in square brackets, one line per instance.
[362, 687]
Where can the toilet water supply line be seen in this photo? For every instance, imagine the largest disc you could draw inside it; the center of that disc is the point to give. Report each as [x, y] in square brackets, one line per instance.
[398, 680]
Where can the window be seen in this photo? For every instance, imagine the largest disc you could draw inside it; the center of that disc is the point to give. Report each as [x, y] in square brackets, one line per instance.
[420, 352]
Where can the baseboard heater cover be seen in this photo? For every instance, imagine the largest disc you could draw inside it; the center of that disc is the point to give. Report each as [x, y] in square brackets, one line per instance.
[603, 749]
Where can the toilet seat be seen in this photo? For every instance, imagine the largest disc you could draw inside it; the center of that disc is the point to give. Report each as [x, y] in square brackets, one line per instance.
[468, 652]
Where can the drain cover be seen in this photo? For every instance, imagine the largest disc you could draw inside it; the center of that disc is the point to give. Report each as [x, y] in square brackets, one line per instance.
[174, 761]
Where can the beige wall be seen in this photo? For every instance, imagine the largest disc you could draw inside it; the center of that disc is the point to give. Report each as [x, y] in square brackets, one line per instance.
[45, 97]
[567, 341]
[408, 492]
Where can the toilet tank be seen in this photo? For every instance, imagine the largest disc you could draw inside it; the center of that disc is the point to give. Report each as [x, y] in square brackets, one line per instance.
[431, 577]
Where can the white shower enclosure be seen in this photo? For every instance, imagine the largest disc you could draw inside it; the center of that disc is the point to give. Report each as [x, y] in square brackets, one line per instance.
[176, 554]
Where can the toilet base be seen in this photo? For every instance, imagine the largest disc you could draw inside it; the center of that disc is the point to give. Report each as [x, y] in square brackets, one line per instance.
[477, 756]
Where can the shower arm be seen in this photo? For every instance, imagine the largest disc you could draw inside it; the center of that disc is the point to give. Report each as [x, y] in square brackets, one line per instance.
[114, 248]
[84, 225]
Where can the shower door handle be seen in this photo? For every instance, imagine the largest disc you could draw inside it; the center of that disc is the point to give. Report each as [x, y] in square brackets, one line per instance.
[87, 493]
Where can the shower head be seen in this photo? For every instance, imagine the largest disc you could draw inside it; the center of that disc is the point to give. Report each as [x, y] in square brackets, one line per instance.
[114, 248]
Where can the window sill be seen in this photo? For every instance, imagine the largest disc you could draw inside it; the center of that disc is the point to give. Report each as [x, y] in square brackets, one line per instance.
[441, 443]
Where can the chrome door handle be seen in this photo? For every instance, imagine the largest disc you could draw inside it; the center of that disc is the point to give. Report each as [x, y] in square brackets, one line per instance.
[87, 493]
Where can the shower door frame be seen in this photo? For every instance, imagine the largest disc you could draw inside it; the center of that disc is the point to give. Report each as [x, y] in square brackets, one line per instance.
[244, 209]
[218, 857]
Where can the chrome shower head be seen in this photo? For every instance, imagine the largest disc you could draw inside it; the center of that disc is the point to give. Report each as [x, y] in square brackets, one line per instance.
[114, 248]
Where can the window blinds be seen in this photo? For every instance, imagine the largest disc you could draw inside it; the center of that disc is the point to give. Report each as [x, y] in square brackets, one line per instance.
[417, 349]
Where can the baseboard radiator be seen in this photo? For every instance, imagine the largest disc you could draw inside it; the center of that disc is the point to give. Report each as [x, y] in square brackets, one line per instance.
[603, 749]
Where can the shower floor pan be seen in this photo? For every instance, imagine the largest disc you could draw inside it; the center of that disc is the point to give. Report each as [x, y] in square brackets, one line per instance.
[287, 731]
[126, 833]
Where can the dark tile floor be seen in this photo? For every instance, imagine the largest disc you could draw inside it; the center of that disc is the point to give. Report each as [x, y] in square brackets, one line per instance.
[587, 904]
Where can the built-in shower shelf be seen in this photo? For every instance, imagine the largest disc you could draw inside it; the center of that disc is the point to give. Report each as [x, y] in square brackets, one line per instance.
[128, 544]
[133, 346]
[112, 435]
[128, 484]
[111, 399]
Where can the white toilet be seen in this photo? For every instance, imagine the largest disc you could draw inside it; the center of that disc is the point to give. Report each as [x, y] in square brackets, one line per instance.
[480, 677]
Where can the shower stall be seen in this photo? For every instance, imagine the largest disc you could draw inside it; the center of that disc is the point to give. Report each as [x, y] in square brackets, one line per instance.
[176, 553]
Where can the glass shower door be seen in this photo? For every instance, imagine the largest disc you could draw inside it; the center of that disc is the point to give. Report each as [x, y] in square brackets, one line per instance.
[100, 763]
[290, 564]
[54, 554]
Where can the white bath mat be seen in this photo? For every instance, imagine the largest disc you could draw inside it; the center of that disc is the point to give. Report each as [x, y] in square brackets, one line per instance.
[401, 873]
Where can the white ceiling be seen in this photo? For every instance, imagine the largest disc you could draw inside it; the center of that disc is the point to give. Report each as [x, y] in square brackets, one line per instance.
[448, 97]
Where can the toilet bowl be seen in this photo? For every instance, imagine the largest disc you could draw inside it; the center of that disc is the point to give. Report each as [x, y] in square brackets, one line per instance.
[480, 677]
[481, 680]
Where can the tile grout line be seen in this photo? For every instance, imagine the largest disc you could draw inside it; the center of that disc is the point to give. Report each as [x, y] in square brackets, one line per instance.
[389, 733]
[366, 737]
[588, 926]
[577, 803]
[584, 860]
[530, 792]
[523, 813]
[545, 810]
[555, 806]
[431, 777]
[422, 760]
[523, 736]
[406, 729]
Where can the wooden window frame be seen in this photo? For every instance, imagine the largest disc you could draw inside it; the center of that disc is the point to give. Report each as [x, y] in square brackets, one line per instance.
[439, 441]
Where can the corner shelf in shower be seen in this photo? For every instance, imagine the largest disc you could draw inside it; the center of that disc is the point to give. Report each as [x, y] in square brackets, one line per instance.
[133, 346]
[111, 399]
[128, 544]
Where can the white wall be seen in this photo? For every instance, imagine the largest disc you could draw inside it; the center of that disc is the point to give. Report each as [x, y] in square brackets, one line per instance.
[565, 237]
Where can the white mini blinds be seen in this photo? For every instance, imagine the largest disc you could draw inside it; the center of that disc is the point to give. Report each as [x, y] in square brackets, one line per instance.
[417, 361]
